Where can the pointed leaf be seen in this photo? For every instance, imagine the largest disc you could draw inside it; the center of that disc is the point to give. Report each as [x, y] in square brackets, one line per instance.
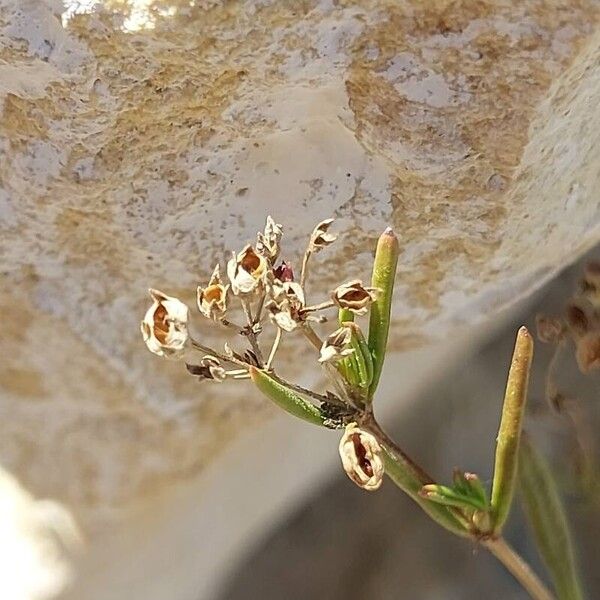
[459, 481]
[362, 357]
[546, 514]
[345, 365]
[509, 434]
[286, 398]
[384, 275]
[476, 488]
[445, 495]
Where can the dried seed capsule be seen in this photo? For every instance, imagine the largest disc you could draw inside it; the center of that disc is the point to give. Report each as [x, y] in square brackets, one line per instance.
[286, 305]
[337, 345]
[267, 243]
[361, 457]
[209, 368]
[164, 327]
[247, 271]
[212, 300]
[354, 296]
[320, 237]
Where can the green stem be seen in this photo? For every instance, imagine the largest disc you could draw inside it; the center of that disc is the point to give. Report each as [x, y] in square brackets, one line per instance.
[519, 568]
[410, 478]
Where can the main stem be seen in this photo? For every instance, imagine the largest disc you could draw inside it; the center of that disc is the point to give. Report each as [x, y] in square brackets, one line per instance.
[497, 545]
[519, 568]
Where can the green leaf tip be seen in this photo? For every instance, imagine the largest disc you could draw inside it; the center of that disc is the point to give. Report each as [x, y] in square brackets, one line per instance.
[453, 497]
[509, 433]
[383, 278]
[286, 398]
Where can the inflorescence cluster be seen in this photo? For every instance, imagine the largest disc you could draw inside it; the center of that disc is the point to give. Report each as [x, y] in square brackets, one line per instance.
[263, 290]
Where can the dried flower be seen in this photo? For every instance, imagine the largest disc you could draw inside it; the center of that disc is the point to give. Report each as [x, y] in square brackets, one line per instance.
[247, 271]
[550, 330]
[164, 327]
[212, 300]
[320, 237]
[354, 296]
[588, 351]
[286, 305]
[336, 346]
[209, 368]
[577, 319]
[267, 243]
[592, 275]
[361, 457]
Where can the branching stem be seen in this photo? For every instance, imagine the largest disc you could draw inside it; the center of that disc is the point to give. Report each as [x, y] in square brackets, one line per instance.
[321, 306]
[311, 336]
[249, 332]
[496, 545]
[304, 271]
[230, 359]
[273, 349]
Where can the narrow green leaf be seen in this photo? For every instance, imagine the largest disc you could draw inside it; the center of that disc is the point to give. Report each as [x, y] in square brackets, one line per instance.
[286, 398]
[445, 495]
[469, 484]
[384, 275]
[352, 371]
[362, 357]
[476, 488]
[363, 347]
[509, 434]
[410, 480]
[345, 316]
[546, 514]
[460, 482]
[346, 367]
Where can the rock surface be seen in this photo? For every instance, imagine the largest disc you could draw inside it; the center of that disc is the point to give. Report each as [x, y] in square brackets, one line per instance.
[143, 140]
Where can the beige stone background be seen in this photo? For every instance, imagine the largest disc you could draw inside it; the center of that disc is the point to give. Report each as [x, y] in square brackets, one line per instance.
[141, 140]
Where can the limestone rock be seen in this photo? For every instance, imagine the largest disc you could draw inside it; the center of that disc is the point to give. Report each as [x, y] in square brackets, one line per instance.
[142, 140]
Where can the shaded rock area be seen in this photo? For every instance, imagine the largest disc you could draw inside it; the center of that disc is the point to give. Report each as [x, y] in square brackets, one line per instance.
[349, 544]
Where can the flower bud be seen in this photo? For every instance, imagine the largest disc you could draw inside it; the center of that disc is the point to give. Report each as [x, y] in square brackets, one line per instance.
[320, 237]
[247, 271]
[354, 296]
[212, 300]
[337, 345]
[164, 327]
[361, 457]
[267, 244]
[284, 272]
